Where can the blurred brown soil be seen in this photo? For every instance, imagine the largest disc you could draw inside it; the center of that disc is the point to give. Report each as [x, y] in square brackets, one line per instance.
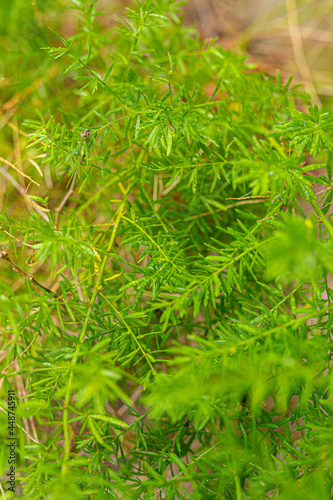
[292, 36]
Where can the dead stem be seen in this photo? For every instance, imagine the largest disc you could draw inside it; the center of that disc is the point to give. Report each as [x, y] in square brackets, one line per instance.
[84, 135]
[16, 239]
[22, 192]
[4, 255]
[23, 352]
[18, 170]
[65, 198]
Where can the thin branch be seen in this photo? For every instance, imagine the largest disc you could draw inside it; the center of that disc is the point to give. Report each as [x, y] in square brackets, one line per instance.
[84, 136]
[3, 493]
[23, 352]
[84, 331]
[18, 170]
[129, 329]
[25, 432]
[16, 239]
[22, 192]
[23, 429]
[65, 198]
[4, 255]
[245, 202]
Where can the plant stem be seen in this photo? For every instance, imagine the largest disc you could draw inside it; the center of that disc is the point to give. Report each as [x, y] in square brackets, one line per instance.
[83, 332]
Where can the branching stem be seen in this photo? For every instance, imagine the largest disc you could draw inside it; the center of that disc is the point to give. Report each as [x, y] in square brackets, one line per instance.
[83, 333]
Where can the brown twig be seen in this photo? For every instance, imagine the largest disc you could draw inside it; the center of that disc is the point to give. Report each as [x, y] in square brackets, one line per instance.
[21, 394]
[84, 136]
[6, 117]
[4, 255]
[22, 192]
[65, 198]
[25, 432]
[204, 214]
[16, 239]
[23, 352]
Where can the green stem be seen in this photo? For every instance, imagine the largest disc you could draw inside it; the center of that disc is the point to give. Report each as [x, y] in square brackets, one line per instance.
[322, 216]
[130, 331]
[153, 242]
[83, 333]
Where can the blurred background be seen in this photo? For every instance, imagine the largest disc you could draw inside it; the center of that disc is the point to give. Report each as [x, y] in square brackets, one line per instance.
[293, 36]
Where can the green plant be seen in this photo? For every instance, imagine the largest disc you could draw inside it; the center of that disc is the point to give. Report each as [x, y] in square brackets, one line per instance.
[174, 339]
